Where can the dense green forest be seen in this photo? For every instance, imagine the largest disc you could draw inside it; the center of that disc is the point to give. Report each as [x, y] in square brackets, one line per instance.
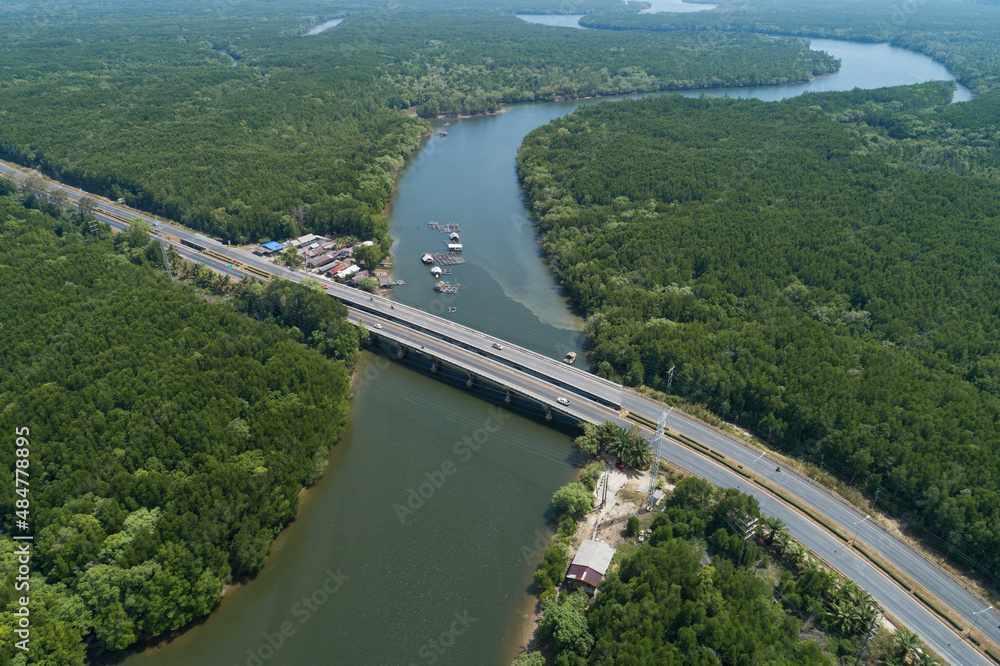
[306, 133]
[169, 437]
[965, 36]
[665, 602]
[821, 270]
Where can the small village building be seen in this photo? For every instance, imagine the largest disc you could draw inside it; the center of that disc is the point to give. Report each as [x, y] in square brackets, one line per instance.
[271, 248]
[358, 277]
[436, 271]
[347, 272]
[589, 566]
[308, 238]
[320, 261]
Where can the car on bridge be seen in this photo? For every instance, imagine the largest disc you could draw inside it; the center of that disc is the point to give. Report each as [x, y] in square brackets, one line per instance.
[497, 345]
[562, 401]
[378, 325]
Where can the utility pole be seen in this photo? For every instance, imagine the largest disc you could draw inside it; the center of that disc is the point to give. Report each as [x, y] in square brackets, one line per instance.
[748, 531]
[661, 425]
[757, 462]
[859, 523]
[607, 478]
[872, 629]
[975, 620]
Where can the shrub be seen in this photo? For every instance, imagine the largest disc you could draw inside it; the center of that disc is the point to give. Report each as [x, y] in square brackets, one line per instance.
[632, 527]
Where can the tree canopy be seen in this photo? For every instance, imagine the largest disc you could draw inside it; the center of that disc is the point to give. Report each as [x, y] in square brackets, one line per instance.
[821, 270]
[141, 101]
[169, 437]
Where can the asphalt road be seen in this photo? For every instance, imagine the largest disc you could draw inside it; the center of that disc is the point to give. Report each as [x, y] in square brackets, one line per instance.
[595, 399]
[902, 605]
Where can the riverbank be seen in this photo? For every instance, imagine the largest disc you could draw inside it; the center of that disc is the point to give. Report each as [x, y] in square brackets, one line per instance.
[607, 523]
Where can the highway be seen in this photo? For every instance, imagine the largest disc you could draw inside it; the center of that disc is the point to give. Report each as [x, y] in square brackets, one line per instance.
[595, 399]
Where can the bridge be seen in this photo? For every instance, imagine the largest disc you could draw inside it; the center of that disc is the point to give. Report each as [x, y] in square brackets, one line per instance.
[914, 591]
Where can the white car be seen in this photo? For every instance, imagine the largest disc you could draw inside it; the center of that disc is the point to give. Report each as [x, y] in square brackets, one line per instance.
[562, 401]
[378, 325]
[497, 345]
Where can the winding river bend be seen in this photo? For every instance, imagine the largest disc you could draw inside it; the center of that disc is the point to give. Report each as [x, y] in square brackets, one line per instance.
[354, 580]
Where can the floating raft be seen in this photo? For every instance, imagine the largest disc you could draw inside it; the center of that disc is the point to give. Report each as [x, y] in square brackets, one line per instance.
[444, 228]
[448, 287]
[448, 259]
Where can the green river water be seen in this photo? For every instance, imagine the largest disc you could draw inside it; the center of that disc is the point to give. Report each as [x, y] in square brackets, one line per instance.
[351, 581]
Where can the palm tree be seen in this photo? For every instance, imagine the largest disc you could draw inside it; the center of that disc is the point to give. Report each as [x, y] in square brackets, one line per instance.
[640, 451]
[796, 554]
[773, 525]
[908, 645]
[784, 539]
[618, 444]
[224, 283]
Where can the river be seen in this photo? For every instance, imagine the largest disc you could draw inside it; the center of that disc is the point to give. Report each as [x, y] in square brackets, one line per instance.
[446, 584]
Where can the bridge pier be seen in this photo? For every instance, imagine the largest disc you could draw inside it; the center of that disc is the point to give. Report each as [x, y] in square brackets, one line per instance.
[401, 353]
[435, 365]
[471, 381]
[507, 398]
[548, 415]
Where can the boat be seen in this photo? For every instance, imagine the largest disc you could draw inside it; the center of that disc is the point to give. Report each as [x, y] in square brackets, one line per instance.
[427, 258]
[570, 357]
[439, 286]
[442, 134]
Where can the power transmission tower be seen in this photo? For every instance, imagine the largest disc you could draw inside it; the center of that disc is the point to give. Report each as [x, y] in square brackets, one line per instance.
[748, 531]
[670, 377]
[163, 248]
[872, 628]
[661, 425]
[92, 226]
